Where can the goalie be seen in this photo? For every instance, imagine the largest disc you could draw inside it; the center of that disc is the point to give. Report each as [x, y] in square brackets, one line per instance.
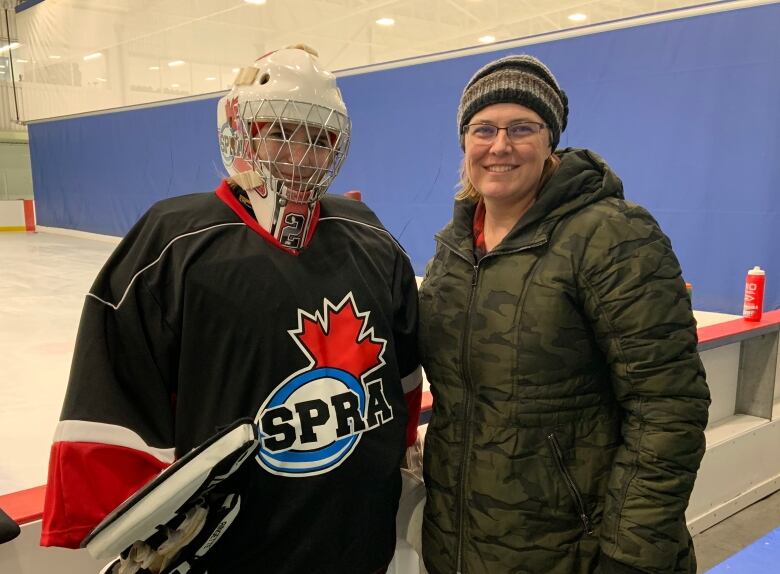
[265, 299]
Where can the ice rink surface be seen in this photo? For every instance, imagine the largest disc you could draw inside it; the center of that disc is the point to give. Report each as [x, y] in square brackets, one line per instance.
[43, 280]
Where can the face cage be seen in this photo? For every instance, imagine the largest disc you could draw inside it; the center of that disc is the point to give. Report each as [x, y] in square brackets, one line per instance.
[296, 148]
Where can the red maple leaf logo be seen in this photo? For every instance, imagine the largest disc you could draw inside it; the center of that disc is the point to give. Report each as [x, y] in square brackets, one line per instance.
[339, 339]
[231, 112]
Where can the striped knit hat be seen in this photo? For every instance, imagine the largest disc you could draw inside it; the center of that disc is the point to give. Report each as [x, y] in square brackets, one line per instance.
[520, 79]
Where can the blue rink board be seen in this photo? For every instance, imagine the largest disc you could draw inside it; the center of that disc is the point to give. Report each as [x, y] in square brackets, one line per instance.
[761, 557]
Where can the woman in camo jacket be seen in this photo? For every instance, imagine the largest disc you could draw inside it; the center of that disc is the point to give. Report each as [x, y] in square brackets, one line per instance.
[558, 338]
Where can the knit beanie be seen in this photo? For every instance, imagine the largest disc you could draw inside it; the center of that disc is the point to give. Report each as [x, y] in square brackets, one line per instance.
[520, 79]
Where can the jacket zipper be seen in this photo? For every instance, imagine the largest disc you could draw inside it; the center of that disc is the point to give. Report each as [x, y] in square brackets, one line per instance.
[467, 408]
[466, 373]
[587, 524]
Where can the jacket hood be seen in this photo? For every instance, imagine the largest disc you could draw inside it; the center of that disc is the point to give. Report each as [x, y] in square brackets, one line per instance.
[581, 179]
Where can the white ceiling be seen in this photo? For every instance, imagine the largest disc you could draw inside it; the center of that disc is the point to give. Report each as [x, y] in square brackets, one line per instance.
[344, 31]
[137, 39]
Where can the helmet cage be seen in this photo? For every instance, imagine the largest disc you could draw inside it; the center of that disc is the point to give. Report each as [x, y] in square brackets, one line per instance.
[296, 148]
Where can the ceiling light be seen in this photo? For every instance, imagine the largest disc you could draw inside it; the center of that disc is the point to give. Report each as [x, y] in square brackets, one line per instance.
[255, 2]
[174, 85]
[577, 17]
[210, 79]
[154, 67]
[92, 56]
[55, 57]
[175, 63]
[21, 61]
[385, 21]
[236, 70]
[9, 47]
[487, 39]
[101, 79]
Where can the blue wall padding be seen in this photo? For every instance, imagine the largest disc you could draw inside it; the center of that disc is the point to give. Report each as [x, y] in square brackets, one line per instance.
[100, 173]
[685, 111]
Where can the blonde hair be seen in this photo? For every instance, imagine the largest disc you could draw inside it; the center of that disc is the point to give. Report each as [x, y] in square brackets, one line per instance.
[466, 189]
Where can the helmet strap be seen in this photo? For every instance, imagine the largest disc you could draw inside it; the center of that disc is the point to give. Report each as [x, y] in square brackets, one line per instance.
[290, 223]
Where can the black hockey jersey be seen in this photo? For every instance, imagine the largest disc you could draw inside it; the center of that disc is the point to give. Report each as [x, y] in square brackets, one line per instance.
[200, 318]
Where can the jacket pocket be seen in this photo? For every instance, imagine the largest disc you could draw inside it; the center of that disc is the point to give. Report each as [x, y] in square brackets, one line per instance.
[587, 523]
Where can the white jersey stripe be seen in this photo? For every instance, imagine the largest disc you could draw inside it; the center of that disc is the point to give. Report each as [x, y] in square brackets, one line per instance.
[156, 261]
[102, 433]
[412, 381]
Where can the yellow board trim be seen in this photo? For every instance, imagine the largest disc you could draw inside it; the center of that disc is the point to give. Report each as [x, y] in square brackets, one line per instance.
[13, 228]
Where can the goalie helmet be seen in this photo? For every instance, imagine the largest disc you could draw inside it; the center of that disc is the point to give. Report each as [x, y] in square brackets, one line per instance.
[283, 135]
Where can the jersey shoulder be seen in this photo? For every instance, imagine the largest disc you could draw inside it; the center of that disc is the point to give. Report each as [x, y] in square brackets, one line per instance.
[338, 206]
[167, 225]
[355, 215]
[187, 212]
[179, 217]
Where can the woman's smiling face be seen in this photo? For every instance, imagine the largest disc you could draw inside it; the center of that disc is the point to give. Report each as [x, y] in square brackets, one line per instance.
[504, 171]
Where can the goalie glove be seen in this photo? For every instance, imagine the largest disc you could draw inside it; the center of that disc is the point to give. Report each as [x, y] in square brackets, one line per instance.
[170, 525]
[181, 546]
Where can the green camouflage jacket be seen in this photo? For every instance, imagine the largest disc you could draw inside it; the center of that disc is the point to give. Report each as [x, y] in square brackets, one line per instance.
[569, 399]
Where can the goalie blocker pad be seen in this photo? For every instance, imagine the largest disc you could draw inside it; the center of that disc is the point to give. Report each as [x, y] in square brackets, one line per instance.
[179, 486]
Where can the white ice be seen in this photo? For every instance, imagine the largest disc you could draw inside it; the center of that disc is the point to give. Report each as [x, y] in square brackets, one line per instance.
[43, 280]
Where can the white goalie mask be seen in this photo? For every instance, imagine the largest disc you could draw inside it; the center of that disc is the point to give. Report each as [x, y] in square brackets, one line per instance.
[283, 135]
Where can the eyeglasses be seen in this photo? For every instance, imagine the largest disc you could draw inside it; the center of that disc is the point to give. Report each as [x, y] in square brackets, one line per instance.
[516, 132]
